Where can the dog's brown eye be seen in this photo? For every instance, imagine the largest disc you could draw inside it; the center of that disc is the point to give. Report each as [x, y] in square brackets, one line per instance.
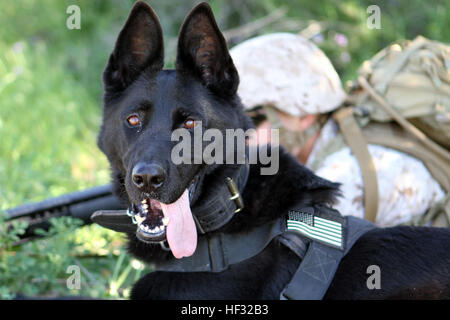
[134, 120]
[189, 123]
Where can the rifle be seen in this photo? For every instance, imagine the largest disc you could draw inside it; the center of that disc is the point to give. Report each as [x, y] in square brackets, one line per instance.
[79, 205]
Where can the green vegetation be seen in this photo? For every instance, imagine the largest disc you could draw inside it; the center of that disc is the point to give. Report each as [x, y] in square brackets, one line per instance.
[50, 112]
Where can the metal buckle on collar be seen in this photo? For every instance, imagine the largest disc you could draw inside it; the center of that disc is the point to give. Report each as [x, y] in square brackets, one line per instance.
[164, 245]
[235, 195]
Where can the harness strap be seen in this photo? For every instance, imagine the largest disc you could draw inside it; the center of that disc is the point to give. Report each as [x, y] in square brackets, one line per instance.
[317, 269]
[313, 277]
[319, 236]
[217, 251]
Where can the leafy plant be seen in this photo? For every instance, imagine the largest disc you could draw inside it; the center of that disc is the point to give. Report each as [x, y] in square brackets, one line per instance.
[40, 267]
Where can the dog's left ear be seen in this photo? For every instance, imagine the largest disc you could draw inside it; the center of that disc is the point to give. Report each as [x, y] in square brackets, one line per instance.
[203, 52]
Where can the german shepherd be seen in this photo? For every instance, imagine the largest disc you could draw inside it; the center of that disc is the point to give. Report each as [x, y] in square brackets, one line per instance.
[144, 103]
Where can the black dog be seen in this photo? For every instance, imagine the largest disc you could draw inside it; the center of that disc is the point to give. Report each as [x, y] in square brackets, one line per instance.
[144, 104]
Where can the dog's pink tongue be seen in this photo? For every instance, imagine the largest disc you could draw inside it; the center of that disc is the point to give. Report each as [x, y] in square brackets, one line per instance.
[180, 232]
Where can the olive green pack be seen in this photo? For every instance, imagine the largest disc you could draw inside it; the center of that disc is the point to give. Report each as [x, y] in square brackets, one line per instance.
[401, 100]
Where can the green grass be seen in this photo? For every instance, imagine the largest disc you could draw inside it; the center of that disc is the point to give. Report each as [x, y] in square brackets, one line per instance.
[50, 113]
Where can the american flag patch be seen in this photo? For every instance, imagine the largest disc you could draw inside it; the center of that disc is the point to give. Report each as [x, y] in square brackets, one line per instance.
[311, 226]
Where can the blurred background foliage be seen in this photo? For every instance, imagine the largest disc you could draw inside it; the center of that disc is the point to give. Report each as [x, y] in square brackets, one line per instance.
[50, 110]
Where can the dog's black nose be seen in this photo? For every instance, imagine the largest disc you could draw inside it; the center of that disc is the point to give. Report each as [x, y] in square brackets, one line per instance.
[148, 176]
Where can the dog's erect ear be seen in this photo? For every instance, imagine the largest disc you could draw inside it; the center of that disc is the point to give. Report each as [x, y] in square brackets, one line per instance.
[139, 46]
[203, 52]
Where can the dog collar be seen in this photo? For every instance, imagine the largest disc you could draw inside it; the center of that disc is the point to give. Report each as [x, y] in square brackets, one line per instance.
[218, 210]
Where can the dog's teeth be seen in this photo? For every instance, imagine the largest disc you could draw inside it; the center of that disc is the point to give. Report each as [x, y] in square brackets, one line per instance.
[165, 221]
[138, 218]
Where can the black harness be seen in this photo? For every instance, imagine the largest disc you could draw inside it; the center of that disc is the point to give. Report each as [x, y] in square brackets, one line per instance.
[318, 235]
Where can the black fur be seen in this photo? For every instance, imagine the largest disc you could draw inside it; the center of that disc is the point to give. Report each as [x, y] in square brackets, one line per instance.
[414, 262]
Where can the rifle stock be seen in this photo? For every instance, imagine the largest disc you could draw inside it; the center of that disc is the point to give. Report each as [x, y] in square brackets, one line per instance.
[79, 205]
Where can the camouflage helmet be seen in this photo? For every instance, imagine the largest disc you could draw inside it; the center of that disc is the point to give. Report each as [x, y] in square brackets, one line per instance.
[288, 72]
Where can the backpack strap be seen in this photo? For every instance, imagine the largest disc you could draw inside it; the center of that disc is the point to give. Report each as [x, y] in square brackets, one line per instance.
[393, 136]
[354, 138]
